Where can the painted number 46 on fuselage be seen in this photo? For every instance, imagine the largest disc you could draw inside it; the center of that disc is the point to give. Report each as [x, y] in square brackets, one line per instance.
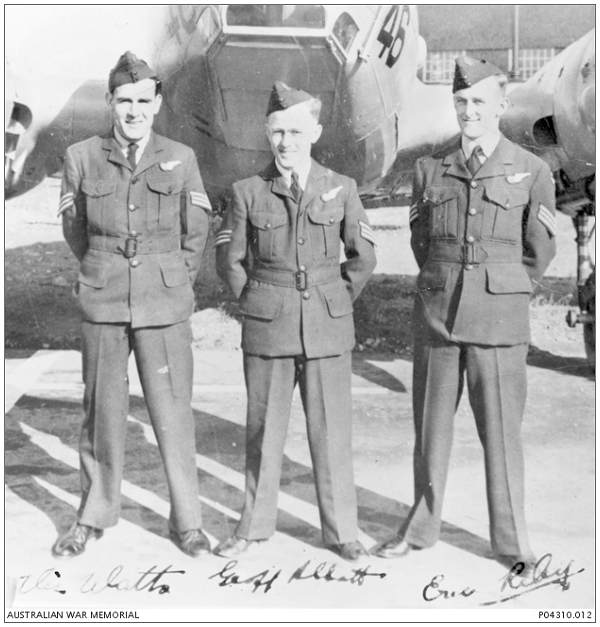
[392, 34]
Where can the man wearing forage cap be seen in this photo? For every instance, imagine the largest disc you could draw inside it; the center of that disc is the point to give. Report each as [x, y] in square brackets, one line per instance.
[483, 227]
[134, 213]
[279, 252]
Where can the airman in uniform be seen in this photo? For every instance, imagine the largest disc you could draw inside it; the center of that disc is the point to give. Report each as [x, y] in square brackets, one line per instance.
[483, 228]
[134, 214]
[279, 251]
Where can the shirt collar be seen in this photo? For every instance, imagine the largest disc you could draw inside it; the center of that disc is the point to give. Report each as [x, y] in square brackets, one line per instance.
[124, 143]
[302, 170]
[487, 142]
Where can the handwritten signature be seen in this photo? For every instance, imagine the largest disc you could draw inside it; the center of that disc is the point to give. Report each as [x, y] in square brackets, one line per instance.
[152, 579]
[323, 571]
[516, 582]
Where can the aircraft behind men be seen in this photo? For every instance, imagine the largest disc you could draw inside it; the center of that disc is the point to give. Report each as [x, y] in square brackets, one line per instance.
[218, 64]
[554, 115]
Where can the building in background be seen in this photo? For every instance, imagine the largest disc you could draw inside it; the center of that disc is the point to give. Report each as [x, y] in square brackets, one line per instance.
[486, 31]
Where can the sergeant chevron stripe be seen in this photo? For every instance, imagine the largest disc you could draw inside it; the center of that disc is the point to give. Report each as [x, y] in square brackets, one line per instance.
[223, 237]
[414, 213]
[546, 217]
[200, 199]
[366, 232]
[66, 202]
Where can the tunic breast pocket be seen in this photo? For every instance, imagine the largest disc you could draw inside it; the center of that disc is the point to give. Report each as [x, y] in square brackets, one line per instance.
[326, 231]
[99, 195]
[443, 211]
[164, 199]
[503, 214]
[268, 234]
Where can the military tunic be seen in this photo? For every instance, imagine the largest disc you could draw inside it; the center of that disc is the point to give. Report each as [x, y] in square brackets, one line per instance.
[282, 260]
[139, 234]
[479, 241]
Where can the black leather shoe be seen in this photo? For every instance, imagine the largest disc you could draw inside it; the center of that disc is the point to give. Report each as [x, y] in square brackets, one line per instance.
[234, 546]
[73, 541]
[192, 542]
[394, 547]
[520, 565]
[350, 551]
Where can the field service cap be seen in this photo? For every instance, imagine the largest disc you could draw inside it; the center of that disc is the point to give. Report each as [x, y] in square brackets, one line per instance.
[468, 71]
[129, 69]
[283, 96]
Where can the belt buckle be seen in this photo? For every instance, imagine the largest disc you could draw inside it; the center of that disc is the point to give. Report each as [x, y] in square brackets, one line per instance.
[469, 254]
[130, 247]
[301, 280]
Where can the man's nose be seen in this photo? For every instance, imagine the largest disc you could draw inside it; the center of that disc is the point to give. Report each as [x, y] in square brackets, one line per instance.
[470, 108]
[133, 109]
[286, 139]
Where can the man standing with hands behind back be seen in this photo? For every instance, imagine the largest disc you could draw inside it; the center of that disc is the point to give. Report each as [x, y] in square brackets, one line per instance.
[279, 251]
[483, 228]
[134, 214]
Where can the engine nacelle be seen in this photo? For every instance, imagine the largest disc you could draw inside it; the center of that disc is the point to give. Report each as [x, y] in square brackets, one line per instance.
[553, 113]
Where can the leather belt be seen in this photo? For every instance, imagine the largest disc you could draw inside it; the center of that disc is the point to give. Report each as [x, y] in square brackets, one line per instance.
[301, 280]
[475, 253]
[133, 245]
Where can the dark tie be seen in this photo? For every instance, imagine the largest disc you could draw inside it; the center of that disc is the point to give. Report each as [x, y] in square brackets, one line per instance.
[131, 150]
[295, 188]
[475, 160]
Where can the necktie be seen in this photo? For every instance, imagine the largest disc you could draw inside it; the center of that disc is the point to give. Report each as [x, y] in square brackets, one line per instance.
[131, 150]
[295, 188]
[475, 159]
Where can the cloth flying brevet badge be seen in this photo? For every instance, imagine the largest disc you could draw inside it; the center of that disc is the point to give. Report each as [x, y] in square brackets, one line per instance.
[66, 202]
[517, 177]
[331, 194]
[200, 199]
[546, 217]
[366, 232]
[223, 237]
[167, 166]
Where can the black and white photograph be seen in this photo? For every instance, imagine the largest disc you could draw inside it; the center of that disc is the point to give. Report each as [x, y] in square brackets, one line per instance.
[299, 313]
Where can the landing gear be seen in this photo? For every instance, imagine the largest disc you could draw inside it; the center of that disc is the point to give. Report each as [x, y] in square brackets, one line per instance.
[584, 221]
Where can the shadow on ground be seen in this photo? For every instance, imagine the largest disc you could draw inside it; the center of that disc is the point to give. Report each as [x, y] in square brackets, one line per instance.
[216, 439]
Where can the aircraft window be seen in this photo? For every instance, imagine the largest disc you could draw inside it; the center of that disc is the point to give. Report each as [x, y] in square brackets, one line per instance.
[276, 15]
[345, 31]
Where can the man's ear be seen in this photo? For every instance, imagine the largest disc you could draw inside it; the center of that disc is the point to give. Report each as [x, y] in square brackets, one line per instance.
[157, 103]
[108, 97]
[318, 129]
[504, 105]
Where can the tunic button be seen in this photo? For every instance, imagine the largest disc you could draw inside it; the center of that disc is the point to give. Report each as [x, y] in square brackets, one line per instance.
[132, 207]
[300, 241]
[468, 267]
[472, 211]
[302, 268]
[306, 295]
[268, 225]
[470, 238]
[134, 263]
[134, 180]
[473, 184]
[132, 233]
[330, 220]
